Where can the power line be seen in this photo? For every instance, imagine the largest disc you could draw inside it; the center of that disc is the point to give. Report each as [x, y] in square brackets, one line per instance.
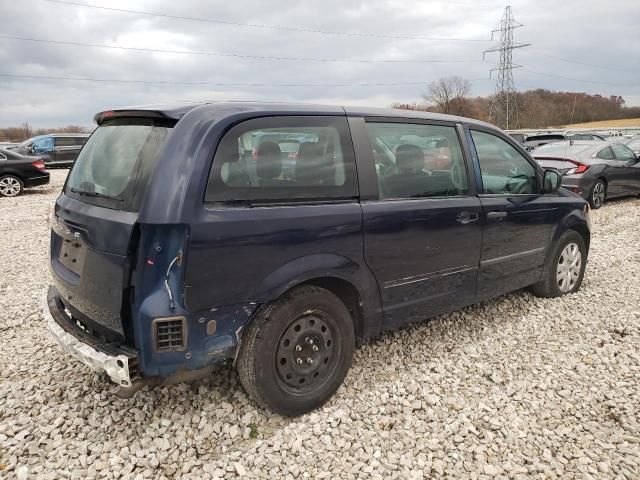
[263, 26]
[223, 54]
[216, 84]
[579, 79]
[577, 62]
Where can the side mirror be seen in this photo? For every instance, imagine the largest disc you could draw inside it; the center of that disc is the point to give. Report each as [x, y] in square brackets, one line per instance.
[551, 181]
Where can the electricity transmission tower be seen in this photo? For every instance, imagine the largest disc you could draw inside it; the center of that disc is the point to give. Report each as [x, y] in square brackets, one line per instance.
[504, 106]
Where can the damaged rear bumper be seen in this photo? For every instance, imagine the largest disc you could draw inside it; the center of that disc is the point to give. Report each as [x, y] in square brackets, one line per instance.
[119, 362]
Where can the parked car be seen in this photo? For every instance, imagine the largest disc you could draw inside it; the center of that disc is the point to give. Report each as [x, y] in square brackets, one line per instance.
[18, 172]
[518, 137]
[538, 140]
[208, 255]
[56, 149]
[634, 144]
[595, 171]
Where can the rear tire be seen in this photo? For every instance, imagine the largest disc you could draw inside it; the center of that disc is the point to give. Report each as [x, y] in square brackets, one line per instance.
[297, 351]
[564, 271]
[10, 186]
[598, 194]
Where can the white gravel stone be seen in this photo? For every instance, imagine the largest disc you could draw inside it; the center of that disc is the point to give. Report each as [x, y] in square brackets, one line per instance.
[513, 388]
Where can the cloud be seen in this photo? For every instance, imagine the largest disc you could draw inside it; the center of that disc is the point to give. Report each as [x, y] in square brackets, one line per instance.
[592, 32]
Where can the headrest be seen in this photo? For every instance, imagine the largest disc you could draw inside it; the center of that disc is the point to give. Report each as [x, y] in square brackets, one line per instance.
[268, 160]
[409, 158]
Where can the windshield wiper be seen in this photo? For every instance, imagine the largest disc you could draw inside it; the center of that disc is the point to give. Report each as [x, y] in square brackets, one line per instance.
[95, 194]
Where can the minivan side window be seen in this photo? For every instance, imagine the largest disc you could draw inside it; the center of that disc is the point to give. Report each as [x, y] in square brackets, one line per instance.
[43, 145]
[504, 169]
[284, 158]
[417, 160]
[65, 141]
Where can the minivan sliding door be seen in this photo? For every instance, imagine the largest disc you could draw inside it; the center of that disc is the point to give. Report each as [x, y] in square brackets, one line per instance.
[422, 234]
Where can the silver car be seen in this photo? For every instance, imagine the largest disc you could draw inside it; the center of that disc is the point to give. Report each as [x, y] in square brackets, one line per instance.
[594, 170]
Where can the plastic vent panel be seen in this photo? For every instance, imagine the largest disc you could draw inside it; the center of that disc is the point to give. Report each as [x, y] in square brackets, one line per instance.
[170, 334]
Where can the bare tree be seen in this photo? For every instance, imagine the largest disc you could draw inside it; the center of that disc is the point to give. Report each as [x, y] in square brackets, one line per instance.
[448, 95]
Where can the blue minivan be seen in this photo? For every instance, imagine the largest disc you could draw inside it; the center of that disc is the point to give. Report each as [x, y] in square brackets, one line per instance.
[178, 242]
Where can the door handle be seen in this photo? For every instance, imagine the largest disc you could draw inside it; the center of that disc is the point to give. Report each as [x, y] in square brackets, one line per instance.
[497, 216]
[467, 217]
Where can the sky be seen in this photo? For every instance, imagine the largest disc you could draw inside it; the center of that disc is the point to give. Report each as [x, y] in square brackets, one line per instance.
[355, 52]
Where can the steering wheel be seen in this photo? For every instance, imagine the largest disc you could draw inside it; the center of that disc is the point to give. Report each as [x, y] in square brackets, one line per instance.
[516, 185]
[456, 176]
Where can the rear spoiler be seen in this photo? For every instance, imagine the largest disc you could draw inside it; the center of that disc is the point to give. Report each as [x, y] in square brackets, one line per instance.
[557, 159]
[109, 114]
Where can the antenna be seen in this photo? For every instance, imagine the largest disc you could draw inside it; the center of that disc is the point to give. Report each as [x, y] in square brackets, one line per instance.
[504, 107]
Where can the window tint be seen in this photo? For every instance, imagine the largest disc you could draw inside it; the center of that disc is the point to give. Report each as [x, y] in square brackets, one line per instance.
[622, 153]
[503, 168]
[416, 160]
[283, 158]
[606, 154]
[64, 141]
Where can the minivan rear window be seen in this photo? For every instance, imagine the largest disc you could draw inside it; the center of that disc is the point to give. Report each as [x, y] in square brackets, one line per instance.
[114, 166]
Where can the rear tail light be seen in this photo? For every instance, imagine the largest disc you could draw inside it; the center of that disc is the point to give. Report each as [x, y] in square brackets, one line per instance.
[39, 164]
[580, 168]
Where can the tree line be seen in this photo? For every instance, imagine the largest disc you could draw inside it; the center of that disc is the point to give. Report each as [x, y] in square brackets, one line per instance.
[539, 108]
[25, 131]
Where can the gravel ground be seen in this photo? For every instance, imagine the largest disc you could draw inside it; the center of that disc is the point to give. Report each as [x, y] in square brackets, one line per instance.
[518, 387]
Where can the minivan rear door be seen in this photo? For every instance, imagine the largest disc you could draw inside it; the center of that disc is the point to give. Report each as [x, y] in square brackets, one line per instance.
[95, 219]
[422, 232]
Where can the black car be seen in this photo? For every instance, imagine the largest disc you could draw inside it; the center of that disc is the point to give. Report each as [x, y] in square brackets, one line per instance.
[18, 172]
[56, 149]
[174, 247]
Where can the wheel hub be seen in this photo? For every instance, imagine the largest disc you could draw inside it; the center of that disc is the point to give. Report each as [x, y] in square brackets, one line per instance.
[9, 187]
[305, 352]
[569, 266]
[598, 194]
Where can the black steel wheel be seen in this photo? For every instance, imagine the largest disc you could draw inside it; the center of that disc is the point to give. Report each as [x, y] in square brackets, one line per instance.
[306, 353]
[297, 351]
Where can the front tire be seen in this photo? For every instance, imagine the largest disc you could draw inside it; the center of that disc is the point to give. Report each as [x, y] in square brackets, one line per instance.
[598, 194]
[10, 186]
[564, 271]
[297, 351]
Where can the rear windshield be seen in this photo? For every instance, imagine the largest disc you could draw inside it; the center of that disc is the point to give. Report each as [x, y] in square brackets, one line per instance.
[563, 148]
[552, 136]
[115, 164]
